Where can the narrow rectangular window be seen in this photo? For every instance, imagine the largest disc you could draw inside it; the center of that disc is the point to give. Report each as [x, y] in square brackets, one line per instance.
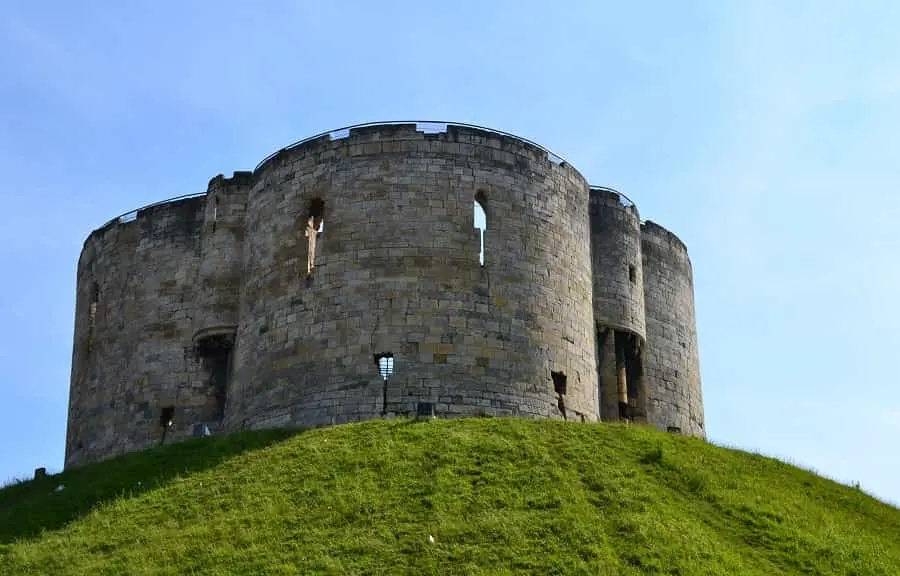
[481, 222]
[559, 386]
[167, 416]
[92, 307]
[215, 213]
[315, 226]
[559, 382]
[92, 315]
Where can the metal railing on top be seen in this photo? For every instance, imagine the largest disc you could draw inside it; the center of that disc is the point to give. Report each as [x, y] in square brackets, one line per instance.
[433, 127]
[132, 214]
[625, 200]
[427, 126]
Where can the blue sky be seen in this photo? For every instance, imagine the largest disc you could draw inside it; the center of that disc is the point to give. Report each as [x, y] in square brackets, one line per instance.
[765, 134]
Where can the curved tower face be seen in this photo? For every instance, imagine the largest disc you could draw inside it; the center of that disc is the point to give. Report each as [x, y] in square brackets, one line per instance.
[618, 305]
[219, 280]
[218, 287]
[364, 296]
[132, 366]
[616, 258]
[672, 362]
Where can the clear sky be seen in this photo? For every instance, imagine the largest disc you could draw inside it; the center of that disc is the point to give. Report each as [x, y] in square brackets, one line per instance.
[765, 134]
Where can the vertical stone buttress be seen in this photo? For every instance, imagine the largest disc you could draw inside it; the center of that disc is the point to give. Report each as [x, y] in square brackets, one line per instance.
[132, 360]
[618, 305]
[218, 290]
[672, 359]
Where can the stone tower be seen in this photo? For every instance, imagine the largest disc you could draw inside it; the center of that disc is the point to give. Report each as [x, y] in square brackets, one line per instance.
[341, 281]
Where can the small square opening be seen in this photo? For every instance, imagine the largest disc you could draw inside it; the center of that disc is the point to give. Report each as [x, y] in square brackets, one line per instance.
[167, 417]
[559, 382]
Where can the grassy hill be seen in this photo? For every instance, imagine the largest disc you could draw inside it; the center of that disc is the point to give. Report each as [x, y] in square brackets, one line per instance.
[498, 496]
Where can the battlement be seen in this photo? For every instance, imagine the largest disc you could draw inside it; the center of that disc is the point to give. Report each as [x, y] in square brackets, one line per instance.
[388, 131]
[652, 229]
[364, 139]
[238, 178]
[149, 210]
[609, 197]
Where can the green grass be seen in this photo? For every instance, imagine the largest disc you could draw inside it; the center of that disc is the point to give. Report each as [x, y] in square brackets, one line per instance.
[499, 496]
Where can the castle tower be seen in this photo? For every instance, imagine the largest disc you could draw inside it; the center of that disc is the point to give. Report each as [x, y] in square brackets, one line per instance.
[618, 305]
[672, 362]
[218, 287]
[341, 280]
[132, 366]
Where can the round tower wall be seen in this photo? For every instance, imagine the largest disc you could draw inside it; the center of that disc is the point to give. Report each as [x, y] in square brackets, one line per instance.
[616, 256]
[397, 272]
[672, 363]
[219, 281]
[131, 356]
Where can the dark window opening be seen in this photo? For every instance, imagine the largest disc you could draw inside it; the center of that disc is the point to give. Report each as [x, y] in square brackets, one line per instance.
[315, 227]
[674, 429]
[630, 385]
[481, 222]
[215, 352]
[385, 363]
[606, 372]
[559, 386]
[632, 274]
[634, 366]
[167, 417]
[217, 366]
[92, 315]
[621, 374]
[92, 307]
[425, 410]
[559, 382]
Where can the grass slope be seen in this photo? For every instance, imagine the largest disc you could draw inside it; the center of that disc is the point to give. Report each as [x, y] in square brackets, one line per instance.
[499, 496]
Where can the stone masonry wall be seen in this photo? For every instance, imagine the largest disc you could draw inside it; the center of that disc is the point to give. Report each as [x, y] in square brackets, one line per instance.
[672, 362]
[206, 306]
[398, 272]
[618, 286]
[136, 360]
[616, 258]
[219, 277]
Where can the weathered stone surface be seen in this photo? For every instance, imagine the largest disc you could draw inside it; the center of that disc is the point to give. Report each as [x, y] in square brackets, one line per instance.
[206, 305]
[672, 362]
[616, 251]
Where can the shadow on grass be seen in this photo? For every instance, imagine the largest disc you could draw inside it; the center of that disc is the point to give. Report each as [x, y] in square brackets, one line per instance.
[29, 508]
